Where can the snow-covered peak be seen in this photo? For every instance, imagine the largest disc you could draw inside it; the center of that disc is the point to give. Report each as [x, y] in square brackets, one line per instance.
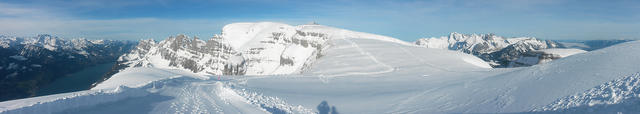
[47, 41]
[81, 43]
[481, 43]
[495, 49]
[36, 44]
[238, 34]
[244, 48]
[8, 41]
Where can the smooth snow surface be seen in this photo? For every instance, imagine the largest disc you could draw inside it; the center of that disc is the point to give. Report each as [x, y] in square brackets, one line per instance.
[367, 74]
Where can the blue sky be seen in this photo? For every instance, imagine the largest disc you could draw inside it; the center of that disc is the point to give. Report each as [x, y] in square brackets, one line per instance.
[404, 19]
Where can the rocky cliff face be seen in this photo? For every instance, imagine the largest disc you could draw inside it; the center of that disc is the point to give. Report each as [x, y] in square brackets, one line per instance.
[241, 49]
[496, 50]
[182, 52]
[29, 63]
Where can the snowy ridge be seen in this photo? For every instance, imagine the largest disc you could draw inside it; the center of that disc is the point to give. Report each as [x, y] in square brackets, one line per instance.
[140, 76]
[262, 48]
[176, 95]
[61, 102]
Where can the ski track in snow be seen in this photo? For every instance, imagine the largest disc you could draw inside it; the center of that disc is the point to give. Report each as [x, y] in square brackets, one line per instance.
[422, 60]
[363, 52]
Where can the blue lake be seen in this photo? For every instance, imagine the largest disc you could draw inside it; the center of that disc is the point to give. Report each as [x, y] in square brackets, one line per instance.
[77, 81]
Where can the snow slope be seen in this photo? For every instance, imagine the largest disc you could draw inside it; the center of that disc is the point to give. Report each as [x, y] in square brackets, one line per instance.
[365, 75]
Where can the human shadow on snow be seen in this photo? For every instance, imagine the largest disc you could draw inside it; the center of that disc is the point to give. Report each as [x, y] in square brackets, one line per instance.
[324, 108]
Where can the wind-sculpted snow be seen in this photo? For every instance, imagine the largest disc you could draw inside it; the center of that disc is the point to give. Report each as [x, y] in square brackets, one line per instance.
[620, 95]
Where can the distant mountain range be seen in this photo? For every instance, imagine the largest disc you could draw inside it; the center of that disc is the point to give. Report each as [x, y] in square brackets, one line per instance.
[29, 63]
[590, 45]
[512, 52]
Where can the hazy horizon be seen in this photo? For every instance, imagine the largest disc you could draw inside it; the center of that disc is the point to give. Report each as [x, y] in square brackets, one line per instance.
[405, 20]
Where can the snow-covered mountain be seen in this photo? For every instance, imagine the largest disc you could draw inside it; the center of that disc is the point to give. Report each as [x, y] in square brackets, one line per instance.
[29, 63]
[497, 50]
[364, 73]
[242, 49]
